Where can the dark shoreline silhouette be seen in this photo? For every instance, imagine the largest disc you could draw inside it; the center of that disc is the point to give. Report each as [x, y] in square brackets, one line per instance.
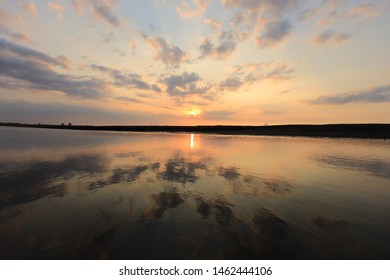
[373, 131]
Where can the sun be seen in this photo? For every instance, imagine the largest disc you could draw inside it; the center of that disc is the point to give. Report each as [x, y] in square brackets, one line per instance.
[193, 112]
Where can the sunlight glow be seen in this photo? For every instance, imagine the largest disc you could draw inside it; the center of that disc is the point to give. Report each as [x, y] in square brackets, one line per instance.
[192, 143]
[193, 112]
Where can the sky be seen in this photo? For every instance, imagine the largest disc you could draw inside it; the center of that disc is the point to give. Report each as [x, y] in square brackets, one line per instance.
[195, 62]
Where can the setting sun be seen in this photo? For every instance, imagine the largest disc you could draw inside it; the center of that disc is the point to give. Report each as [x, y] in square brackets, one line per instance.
[194, 112]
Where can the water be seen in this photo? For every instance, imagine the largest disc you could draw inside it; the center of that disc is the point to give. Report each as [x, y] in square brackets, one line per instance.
[103, 195]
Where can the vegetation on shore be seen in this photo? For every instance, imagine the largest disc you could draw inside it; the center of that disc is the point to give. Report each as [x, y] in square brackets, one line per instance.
[379, 131]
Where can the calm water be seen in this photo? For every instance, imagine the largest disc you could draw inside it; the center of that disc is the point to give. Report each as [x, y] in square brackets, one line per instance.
[93, 195]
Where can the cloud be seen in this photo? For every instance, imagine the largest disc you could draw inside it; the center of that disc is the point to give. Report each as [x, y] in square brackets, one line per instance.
[231, 84]
[35, 112]
[330, 18]
[265, 21]
[364, 11]
[184, 85]
[9, 22]
[287, 90]
[333, 14]
[307, 14]
[127, 80]
[79, 6]
[212, 23]
[246, 74]
[279, 71]
[128, 99]
[226, 46]
[253, 72]
[15, 36]
[275, 32]
[166, 52]
[21, 67]
[187, 84]
[7, 48]
[7, 18]
[55, 6]
[373, 95]
[331, 37]
[192, 8]
[30, 8]
[108, 38]
[263, 6]
[99, 9]
[132, 44]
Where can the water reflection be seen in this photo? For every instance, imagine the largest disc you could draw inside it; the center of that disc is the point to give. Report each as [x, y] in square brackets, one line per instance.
[376, 167]
[121, 175]
[35, 180]
[139, 197]
[192, 143]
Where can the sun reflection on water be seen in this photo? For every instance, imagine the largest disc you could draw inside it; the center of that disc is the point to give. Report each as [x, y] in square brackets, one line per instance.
[192, 142]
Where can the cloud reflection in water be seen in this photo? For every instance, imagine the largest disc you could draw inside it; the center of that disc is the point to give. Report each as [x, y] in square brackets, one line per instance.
[156, 200]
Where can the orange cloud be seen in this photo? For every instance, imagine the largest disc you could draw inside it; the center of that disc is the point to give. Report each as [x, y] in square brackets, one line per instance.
[191, 9]
[364, 11]
[331, 37]
[30, 8]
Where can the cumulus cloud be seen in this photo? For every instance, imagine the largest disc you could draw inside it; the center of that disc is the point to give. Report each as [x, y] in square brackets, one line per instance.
[127, 80]
[79, 6]
[330, 18]
[15, 36]
[231, 84]
[226, 46]
[55, 6]
[99, 9]
[373, 95]
[30, 8]
[10, 18]
[103, 9]
[20, 37]
[192, 8]
[212, 23]
[275, 32]
[167, 52]
[8, 48]
[186, 84]
[364, 11]
[332, 13]
[9, 22]
[265, 21]
[253, 72]
[331, 37]
[21, 67]
[245, 75]
[279, 71]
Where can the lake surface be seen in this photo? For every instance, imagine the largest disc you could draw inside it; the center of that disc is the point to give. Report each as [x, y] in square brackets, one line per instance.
[104, 195]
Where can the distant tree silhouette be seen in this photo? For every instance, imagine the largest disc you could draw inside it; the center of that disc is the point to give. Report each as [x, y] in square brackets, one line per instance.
[70, 124]
[62, 124]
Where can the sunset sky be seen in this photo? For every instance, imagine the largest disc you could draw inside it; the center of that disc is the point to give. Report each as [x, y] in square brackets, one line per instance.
[190, 62]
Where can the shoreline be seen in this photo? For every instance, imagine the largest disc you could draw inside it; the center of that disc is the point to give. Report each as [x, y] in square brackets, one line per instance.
[368, 131]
